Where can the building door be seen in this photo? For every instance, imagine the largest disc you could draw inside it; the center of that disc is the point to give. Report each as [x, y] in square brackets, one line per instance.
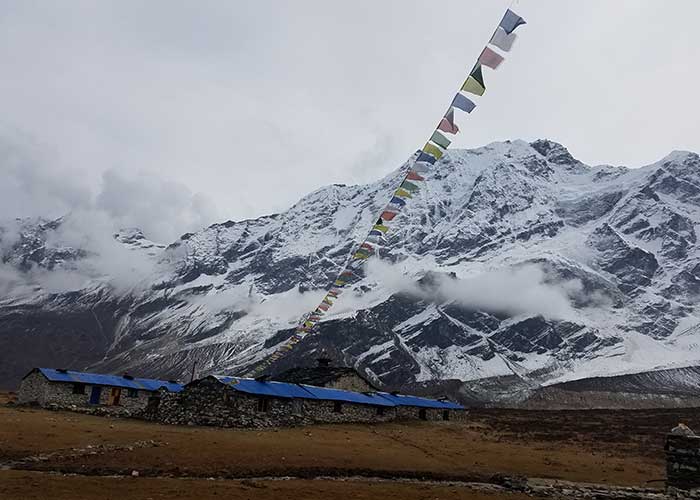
[114, 396]
[95, 395]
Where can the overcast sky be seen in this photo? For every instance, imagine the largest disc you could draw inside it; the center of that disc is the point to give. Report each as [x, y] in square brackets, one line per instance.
[172, 115]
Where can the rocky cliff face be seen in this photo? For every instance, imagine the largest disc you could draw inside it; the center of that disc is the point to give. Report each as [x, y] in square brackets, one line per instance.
[515, 266]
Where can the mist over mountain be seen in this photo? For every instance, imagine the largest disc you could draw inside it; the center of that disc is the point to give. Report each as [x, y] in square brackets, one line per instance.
[515, 263]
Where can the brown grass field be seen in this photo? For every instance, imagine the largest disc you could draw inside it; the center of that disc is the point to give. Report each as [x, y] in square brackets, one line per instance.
[61, 455]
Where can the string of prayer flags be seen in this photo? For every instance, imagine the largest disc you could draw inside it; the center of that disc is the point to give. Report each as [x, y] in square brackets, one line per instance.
[490, 58]
[425, 159]
[463, 103]
[510, 21]
[503, 40]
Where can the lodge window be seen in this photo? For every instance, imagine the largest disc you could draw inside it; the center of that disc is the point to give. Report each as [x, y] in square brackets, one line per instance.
[132, 393]
[337, 407]
[380, 411]
[263, 404]
[422, 414]
[446, 414]
[78, 388]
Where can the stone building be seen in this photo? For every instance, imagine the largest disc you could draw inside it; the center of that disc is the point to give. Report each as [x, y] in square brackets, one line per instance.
[326, 375]
[58, 388]
[238, 402]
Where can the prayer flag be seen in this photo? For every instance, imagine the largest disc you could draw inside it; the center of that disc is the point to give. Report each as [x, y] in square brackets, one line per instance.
[511, 21]
[463, 103]
[413, 176]
[478, 75]
[490, 58]
[440, 140]
[360, 255]
[381, 228]
[472, 86]
[503, 40]
[403, 193]
[432, 149]
[388, 215]
[425, 158]
[448, 127]
[409, 186]
[398, 201]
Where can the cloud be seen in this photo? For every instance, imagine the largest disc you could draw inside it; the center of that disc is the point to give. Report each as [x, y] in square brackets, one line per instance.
[524, 289]
[37, 186]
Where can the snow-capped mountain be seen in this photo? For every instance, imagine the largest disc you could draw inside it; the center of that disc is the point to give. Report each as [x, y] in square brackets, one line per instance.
[515, 266]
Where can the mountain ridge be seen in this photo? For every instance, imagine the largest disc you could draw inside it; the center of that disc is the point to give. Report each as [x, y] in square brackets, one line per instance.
[584, 267]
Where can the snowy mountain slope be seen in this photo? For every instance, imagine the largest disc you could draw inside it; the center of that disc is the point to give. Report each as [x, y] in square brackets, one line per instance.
[514, 262]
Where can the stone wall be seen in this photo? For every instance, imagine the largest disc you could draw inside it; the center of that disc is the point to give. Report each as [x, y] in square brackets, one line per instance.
[683, 462]
[350, 383]
[342, 412]
[208, 402]
[32, 389]
[429, 414]
[35, 388]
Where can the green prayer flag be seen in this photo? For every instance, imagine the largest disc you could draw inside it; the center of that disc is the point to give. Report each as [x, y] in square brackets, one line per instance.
[473, 86]
[409, 186]
[440, 140]
[433, 150]
[477, 75]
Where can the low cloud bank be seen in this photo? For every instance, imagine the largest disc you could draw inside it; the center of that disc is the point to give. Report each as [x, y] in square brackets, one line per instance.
[524, 289]
[36, 187]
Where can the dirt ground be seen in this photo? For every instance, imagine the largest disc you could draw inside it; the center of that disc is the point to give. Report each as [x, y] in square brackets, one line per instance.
[66, 455]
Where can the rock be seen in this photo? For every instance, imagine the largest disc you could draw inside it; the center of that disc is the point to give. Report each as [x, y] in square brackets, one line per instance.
[134, 473]
[682, 430]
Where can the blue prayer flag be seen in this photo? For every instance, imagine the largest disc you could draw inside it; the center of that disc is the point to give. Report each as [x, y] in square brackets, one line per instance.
[463, 103]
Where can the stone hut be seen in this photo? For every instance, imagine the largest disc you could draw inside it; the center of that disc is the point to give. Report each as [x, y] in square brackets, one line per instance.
[56, 388]
[326, 375]
[239, 402]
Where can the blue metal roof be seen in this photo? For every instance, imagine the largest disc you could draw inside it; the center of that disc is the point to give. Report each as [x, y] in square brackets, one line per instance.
[275, 389]
[71, 376]
[347, 396]
[288, 390]
[402, 400]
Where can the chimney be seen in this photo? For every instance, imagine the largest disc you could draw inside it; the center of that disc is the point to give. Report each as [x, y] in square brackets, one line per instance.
[323, 362]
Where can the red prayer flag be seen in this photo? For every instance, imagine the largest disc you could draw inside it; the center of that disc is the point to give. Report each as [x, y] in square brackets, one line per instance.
[412, 176]
[388, 215]
[490, 58]
[448, 127]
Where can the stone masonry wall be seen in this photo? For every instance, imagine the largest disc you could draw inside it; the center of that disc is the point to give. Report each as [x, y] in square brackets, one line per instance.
[683, 462]
[325, 412]
[32, 389]
[351, 383]
[35, 388]
[208, 402]
[431, 414]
